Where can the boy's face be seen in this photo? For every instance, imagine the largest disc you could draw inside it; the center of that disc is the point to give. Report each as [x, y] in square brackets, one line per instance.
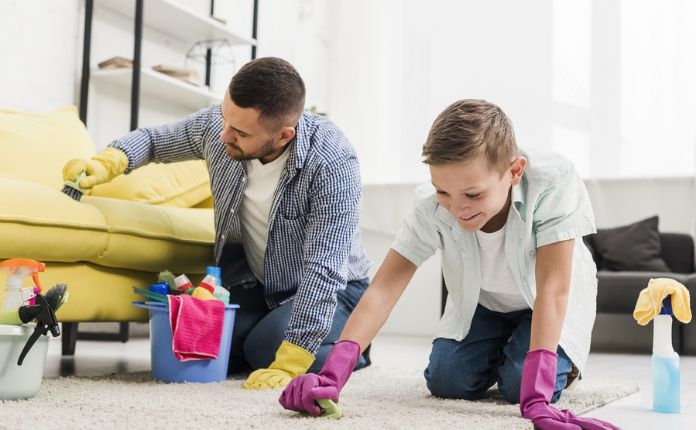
[477, 196]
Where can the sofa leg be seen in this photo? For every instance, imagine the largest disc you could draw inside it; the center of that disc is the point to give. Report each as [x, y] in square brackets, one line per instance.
[69, 338]
[123, 332]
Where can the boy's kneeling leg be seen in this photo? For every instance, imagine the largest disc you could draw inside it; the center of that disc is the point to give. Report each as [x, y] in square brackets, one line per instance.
[456, 373]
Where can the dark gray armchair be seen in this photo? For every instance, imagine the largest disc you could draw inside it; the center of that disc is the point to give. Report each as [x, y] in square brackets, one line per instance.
[617, 292]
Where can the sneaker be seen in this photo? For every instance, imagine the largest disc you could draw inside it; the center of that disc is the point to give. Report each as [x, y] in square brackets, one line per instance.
[366, 355]
[574, 377]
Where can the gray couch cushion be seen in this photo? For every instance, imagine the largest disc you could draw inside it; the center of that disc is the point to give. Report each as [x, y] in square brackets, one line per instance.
[634, 247]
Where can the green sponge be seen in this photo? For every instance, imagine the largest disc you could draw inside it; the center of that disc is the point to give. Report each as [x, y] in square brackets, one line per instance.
[329, 409]
[168, 277]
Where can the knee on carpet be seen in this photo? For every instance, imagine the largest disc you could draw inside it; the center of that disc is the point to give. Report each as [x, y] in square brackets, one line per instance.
[442, 383]
[509, 380]
[510, 392]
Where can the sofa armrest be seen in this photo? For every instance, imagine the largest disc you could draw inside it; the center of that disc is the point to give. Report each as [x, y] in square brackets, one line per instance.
[678, 251]
[617, 292]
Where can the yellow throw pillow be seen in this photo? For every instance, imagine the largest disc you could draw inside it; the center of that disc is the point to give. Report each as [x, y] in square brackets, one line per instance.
[36, 145]
[206, 204]
[183, 184]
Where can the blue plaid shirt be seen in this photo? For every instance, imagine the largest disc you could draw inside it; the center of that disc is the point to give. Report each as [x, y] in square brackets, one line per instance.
[314, 246]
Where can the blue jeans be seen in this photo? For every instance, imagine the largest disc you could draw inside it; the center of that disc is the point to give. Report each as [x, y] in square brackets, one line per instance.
[258, 331]
[493, 351]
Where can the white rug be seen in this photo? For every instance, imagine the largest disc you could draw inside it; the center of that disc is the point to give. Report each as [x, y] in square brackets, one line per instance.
[375, 398]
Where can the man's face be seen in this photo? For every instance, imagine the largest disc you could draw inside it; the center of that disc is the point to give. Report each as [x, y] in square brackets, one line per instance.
[245, 138]
[477, 196]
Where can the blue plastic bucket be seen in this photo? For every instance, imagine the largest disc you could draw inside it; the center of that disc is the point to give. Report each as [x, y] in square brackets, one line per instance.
[165, 366]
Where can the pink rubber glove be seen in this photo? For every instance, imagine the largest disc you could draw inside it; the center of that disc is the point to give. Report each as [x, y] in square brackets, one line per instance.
[536, 389]
[303, 391]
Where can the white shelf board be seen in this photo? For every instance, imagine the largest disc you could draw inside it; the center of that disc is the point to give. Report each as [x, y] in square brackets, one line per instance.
[172, 18]
[160, 86]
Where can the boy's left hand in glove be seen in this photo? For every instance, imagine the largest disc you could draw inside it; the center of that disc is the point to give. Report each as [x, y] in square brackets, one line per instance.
[538, 382]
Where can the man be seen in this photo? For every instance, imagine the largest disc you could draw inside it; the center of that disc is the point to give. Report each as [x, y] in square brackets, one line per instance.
[286, 187]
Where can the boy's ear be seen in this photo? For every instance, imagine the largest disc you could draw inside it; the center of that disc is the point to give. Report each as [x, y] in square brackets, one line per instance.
[517, 168]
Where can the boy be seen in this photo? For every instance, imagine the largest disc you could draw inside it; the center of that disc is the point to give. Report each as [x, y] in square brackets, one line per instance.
[521, 283]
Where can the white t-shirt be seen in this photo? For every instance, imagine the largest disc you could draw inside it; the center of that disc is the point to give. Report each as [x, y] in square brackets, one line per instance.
[499, 292]
[262, 182]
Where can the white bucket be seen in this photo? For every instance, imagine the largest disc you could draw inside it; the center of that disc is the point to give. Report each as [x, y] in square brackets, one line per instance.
[20, 382]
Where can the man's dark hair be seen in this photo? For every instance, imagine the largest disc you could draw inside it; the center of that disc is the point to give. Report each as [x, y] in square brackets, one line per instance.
[273, 87]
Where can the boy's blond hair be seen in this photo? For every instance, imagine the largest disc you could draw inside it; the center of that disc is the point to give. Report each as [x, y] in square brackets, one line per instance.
[470, 128]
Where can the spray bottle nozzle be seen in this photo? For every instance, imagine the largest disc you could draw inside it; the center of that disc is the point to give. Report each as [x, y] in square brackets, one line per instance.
[666, 305]
[24, 267]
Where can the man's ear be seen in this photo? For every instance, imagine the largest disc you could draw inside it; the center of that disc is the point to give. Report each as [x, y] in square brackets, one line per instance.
[286, 135]
[517, 168]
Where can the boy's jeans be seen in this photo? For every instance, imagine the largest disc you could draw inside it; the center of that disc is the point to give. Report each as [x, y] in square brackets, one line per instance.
[493, 351]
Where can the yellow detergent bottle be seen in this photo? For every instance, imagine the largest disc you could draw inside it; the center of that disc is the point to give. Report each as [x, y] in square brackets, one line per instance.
[17, 269]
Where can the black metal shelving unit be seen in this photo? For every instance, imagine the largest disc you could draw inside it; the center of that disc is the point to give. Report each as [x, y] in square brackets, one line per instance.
[70, 332]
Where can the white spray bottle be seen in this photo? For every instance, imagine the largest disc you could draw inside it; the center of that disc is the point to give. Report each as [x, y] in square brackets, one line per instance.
[17, 269]
[665, 363]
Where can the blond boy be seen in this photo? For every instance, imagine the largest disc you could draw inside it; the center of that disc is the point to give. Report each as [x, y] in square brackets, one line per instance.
[521, 283]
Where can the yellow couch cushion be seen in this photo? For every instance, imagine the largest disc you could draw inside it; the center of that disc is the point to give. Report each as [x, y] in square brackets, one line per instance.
[36, 145]
[44, 224]
[184, 184]
[153, 238]
[97, 293]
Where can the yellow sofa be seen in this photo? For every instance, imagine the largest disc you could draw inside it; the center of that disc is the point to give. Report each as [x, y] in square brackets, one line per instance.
[158, 217]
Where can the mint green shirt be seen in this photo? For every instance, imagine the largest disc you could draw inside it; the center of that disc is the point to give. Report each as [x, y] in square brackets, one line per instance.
[550, 204]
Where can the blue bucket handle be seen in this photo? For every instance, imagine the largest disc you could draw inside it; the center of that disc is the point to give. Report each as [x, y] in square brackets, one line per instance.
[151, 306]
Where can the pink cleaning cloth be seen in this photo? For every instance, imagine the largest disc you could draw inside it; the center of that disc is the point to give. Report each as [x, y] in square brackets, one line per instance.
[196, 327]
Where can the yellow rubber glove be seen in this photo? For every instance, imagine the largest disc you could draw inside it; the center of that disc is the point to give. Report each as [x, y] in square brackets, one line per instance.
[290, 361]
[650, 299]
[101, 168]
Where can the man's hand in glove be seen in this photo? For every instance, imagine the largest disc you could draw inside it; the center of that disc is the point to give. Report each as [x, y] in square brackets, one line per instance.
[290, 361]
[99, 169]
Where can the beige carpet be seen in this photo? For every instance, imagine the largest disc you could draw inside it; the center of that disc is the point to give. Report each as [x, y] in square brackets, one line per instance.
[375, 398]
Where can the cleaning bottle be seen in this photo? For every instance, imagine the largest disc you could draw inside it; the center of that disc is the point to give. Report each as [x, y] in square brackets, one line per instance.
[205, 288]
[665, 363]
[17, 269]
[182, 284]
[220, 293]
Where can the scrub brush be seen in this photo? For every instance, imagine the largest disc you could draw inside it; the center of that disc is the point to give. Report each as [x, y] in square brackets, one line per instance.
[72, 189]
[55, 297]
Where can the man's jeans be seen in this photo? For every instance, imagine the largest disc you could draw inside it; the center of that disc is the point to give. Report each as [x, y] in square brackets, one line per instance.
[258, 331]
[493, 351]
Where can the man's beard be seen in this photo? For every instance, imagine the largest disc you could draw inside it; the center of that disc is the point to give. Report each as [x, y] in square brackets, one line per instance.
[238, 154]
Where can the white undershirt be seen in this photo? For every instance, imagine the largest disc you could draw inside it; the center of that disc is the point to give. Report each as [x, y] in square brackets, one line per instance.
[499, 292]
[262, 181]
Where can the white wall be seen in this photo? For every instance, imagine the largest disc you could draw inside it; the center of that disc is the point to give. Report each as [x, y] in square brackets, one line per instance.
[610, 83]
[418, 309]
[39, 43]
[395, 65]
